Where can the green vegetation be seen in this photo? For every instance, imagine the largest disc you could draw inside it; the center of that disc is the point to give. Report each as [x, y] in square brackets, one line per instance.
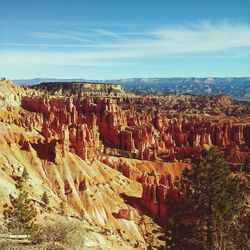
[45, 199]
[56, 234]
[20, 219]
[152, 173]
[212, 214]
[22, 179]
[21, 214]
[25, 175]
[62, 208]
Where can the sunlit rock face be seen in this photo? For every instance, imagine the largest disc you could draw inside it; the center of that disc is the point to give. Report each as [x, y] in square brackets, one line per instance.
[109, 156]
[133, 125]
[156, 191]
[73, 130]
[125, 125]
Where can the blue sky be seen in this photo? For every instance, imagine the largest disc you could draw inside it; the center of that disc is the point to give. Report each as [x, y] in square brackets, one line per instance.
[111, 39]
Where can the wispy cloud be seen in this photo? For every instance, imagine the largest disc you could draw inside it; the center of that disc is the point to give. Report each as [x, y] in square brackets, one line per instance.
[203, 36]
[63, 35]
[90, 35]
[93, 45]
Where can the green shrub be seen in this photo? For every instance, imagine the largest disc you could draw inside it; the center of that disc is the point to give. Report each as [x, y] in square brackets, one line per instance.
[20, 216]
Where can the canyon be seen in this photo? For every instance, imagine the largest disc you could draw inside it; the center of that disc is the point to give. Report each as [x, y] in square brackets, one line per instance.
[112, 157]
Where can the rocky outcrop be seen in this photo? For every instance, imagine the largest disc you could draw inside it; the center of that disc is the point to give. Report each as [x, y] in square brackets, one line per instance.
[67, 144]
[120, 166]
[128, 124]
[70, 130]
[154, 199]
[156, 193]
[124, 213]
[82, 125]
[10, 94]
[222, 100]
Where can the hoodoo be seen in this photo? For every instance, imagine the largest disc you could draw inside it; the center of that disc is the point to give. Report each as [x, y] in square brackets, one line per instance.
[112, 156]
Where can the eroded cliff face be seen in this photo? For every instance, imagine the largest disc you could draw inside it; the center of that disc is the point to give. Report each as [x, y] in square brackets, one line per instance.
[83, 125]
[156, 192]
[107, 157]
[89, 190]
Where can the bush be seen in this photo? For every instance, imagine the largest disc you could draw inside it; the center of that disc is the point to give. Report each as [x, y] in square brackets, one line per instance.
[57, 235]
[53, 246]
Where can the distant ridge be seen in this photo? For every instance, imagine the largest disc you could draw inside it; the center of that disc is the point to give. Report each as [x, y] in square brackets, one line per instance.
[80, 88]
[235, 87]
[35, 81]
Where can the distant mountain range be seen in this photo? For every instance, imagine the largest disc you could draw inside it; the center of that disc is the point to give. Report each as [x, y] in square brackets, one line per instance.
[236, 87]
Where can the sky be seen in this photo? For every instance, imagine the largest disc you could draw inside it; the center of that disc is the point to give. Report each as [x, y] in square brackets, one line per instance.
[113, 39]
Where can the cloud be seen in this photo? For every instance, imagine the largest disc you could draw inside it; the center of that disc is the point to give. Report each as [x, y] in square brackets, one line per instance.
[72, 36]
[100, 46]
[203, 36]
[90, 35]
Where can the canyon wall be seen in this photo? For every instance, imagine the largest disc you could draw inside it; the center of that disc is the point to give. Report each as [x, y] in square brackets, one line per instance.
[82, 126]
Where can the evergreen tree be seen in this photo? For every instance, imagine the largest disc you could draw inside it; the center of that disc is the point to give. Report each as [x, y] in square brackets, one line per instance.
[246, 165]
[62, 208]
[22, 179]
[45, 198]
[21, 214]
[25, 175]
[213, 204]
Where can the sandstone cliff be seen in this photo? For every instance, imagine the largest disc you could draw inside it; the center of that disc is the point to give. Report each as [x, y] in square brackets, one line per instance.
[108, 156]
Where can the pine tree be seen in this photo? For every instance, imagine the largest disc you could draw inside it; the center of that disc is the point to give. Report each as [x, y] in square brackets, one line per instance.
[45, 198]
[25, 175]
[21, 214]
[62, 208]
[246, 165]
[24, 178]
[213, 203]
